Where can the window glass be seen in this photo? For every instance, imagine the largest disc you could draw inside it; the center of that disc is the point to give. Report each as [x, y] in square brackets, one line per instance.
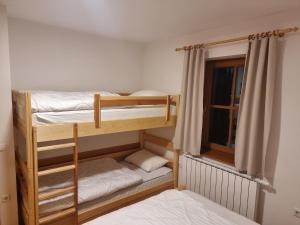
[222, 86]
[219, 126]
[238, 85]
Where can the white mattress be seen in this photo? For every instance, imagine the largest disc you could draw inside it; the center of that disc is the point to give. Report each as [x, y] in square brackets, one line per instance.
[58, 101]
[97, 179]
[128, 191]
[107, 114]
[220, 210]
[171, 208]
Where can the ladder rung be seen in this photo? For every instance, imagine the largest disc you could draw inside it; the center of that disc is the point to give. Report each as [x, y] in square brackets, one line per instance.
[57, 215]
[56, 193]
[55, 147]
[56, 170]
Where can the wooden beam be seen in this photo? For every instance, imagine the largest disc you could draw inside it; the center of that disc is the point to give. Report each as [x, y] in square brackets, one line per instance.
[57, 215]
[97, 112]
[56, 170]
[92, 154]
[158, 141]
[55, 147]
[56, 193]
[61, 131]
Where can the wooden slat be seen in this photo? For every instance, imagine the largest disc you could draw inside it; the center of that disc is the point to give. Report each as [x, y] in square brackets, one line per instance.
[168, 102]
[56, 170]
[55, 147]
[75, 174]
[59, 132]
[56, 193]
[97, 112]
[89, 155]
[132, 100]
[56, 216]
[158, 141]
[224, 107]
[221, 148]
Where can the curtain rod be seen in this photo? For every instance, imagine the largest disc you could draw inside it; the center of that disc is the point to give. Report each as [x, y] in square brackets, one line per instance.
[279, 32]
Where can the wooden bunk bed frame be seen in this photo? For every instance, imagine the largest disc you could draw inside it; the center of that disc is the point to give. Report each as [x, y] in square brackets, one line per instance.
[29, 169]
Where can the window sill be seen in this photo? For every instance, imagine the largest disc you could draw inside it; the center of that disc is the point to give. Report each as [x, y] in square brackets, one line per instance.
[222, 158]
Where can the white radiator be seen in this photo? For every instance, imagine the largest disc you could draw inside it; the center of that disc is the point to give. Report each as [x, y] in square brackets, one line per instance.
[233, 190]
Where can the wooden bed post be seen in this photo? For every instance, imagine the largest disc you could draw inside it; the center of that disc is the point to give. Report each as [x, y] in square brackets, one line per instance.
[167, 112]
[97, 110]
[31, 161]
[176, 167]
[141, 138]
[34, 174]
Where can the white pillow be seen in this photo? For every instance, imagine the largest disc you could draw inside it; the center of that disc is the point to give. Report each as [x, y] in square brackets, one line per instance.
[146, 160]
[148, 93]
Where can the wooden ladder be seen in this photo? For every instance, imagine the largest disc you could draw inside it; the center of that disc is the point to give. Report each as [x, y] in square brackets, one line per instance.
[62, 191]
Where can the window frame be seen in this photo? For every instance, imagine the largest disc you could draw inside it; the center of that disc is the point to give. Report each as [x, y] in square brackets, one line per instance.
[208, 146]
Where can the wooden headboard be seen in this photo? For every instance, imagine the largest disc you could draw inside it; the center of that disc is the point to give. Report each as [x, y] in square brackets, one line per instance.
[167, 145]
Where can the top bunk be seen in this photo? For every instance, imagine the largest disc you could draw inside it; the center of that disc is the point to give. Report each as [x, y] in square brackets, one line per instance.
[52, 114]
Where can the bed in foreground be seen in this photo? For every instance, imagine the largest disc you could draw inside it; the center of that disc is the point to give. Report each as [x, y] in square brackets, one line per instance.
[173, 207]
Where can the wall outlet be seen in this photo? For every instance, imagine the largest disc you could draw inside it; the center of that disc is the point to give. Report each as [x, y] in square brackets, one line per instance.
[297, 212]
[5, 198]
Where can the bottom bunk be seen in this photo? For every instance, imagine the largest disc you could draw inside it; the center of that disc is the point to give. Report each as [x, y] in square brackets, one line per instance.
[100, 182]
[106, 182]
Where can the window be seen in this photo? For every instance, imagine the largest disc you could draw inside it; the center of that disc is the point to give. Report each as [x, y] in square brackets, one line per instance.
[222, 89]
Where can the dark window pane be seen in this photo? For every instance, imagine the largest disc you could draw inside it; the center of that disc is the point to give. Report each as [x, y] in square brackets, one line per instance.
[222, 83]
[234, 127]
[239, 82]
[219, 126]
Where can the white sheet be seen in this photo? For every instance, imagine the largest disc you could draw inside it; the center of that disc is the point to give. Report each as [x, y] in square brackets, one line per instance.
[97, 178]
[168, 208]
[127, 192]
[56, 101]
[220, 210]
[106, 114]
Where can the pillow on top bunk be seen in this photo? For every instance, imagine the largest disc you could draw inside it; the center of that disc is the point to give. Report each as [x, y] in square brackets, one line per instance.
[148, 93]
[146, 160]
[58, 101]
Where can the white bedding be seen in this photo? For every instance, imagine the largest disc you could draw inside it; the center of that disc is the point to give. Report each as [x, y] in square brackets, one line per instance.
[168, 208]
[97, 178]
[40, 118]
[57, 101]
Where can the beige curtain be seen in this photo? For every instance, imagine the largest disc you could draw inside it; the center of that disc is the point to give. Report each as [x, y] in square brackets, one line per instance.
[256, 105]
[189, 123]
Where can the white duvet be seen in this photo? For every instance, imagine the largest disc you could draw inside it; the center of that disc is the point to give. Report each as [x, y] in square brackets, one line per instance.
[168, 208]
[97, 178]
[59, 101]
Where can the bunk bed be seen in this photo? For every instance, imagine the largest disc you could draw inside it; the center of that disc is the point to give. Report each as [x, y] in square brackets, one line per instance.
[51, 132]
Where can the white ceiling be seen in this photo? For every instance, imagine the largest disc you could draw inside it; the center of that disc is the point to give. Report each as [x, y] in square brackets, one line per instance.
[144, 20]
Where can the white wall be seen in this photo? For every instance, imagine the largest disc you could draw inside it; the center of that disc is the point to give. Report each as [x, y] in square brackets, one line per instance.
[8, 210]
[163, 70]
[46, 57]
